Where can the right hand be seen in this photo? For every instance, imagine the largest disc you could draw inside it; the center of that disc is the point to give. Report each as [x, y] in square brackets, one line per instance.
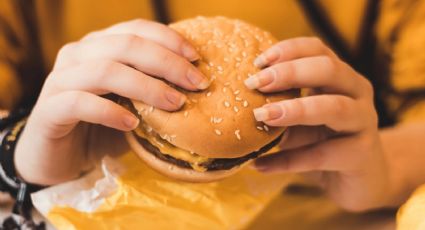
[61, 140]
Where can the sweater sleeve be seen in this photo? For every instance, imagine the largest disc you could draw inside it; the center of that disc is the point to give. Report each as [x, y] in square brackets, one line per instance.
[21, 68]
[401, 32]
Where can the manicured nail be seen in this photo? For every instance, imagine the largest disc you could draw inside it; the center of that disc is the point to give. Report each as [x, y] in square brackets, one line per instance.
[189, 52]
[269, 112]
[266, 58]
[258, 165]
[130, 121]
[197, 79]
[175, 98]
[260, 79]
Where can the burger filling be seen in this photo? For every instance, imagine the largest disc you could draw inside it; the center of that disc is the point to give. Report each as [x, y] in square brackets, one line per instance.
[164, 150]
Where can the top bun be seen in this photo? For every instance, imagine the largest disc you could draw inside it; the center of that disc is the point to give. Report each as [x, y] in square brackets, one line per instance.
[219, 122]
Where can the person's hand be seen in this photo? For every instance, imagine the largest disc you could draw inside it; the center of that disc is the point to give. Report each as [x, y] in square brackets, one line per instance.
[333, 131]
[60, 139]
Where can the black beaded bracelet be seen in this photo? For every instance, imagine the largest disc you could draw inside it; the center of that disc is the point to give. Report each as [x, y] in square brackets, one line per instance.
[9, 181]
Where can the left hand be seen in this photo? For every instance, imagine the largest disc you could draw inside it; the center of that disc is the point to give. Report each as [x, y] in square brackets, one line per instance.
[333, 132]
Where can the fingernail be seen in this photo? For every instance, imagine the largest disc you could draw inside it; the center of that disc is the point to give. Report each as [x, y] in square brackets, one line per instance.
[259, 166]
[260, 79]
[266, 58]
[189, 52]
[269, 112]
[175, 98]
[197, 79]
[130, 121]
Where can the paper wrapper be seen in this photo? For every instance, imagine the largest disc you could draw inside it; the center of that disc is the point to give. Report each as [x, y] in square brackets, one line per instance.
[411, 216]
[125, 194]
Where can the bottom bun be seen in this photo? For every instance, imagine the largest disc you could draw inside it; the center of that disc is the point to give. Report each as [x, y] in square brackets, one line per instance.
[175, 171]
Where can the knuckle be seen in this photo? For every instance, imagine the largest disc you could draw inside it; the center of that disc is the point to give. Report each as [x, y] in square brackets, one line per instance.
[317, 41]
[158, 89]
[101, 68]
[329, 64]
[339, 104]
[368, 87]
[137, 22]
[171, 62]
[287, 46]
[288, 77]
[298, 109]
[67, 49]
[72, 99]
[128, 42]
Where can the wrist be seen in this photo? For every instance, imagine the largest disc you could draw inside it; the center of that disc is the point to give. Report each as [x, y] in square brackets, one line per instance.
[404, 168]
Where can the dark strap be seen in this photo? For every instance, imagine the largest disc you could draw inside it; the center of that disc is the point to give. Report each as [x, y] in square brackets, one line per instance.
[32, 69]
[320, 21]
[364, 58]
[161, 12]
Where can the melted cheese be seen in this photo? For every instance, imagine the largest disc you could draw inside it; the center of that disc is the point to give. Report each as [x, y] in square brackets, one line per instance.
[167, 148]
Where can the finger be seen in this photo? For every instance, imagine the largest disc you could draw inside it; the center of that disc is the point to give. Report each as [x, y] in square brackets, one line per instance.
[300, 136]
[63, 111]
[102, 77]
[142, 54]
[328, 74]
[332, 155]
[292, 49]
[156, 32]
[340, 113]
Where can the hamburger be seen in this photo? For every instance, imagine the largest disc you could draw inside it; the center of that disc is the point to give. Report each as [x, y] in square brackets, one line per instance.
[215, 132]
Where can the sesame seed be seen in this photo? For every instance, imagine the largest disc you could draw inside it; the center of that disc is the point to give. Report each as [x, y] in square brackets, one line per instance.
[149, 129]
[226, 59]
[243, 54]
[226, 104]
[224, 89]
[227, 83]
[238, 99]
[211, 64]
[151, 109]
[194, 100]
[245, 103]
[268, 100]
[266, 128]
[220, 68]
[259, 128]
[237, 64]
[218, 132]
[140, 111]
[209, 94]
[238, 135]
[218, 120]
[186, 113]
[235, 109]
[212, 119]
[236, 92]
[238, 59]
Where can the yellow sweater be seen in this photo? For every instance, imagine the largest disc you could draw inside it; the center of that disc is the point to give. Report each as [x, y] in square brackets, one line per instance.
[400, 32]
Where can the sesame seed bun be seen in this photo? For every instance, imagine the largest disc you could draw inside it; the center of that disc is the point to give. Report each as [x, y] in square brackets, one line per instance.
[217, 122]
